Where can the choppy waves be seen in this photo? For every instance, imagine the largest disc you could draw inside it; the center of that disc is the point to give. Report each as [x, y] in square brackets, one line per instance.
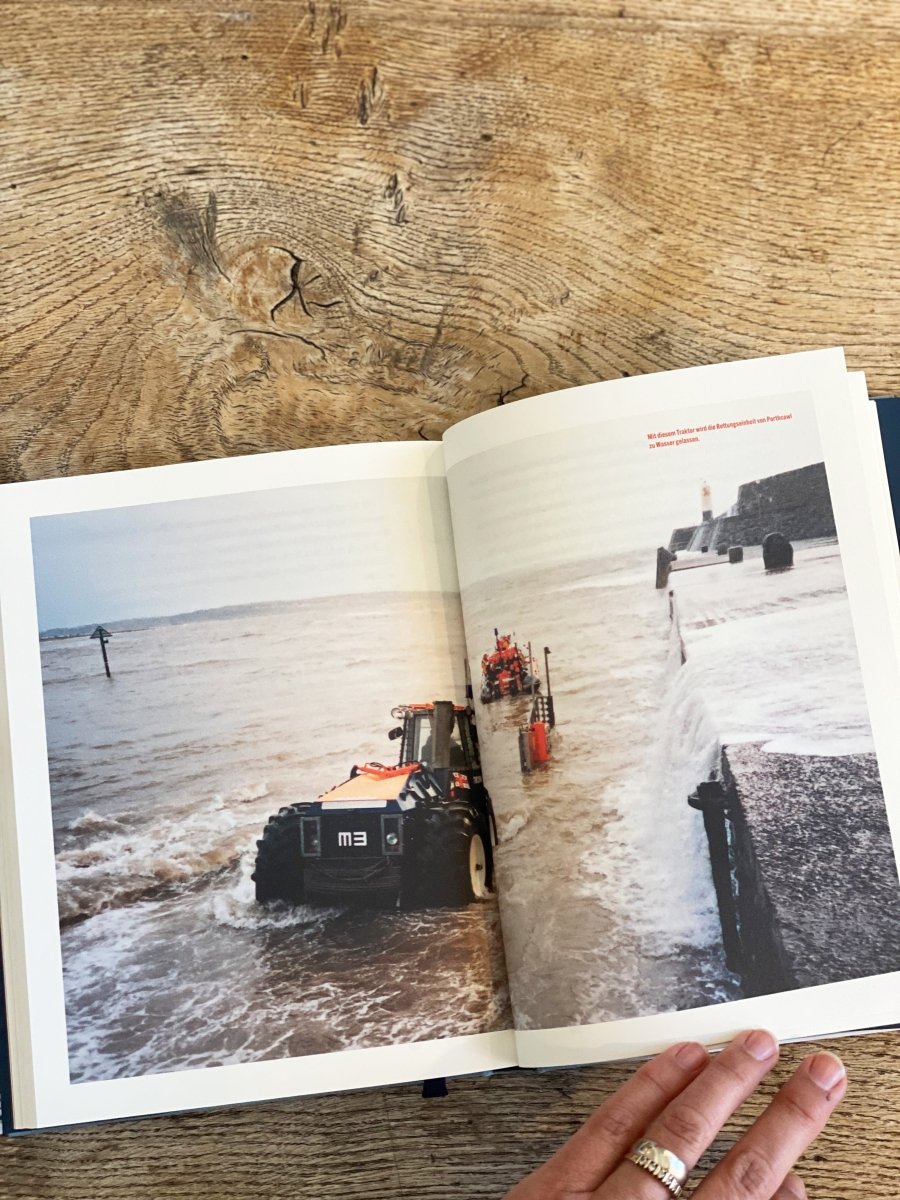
[113, 861]
[608, 905]
[163, 779]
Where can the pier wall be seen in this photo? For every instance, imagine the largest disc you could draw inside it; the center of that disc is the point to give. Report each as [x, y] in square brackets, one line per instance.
[802, 861]
[682, 538]
[815, 888]
[795, 503]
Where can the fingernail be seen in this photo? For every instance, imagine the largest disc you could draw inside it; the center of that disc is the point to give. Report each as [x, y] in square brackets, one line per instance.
[826, 1070]
[760, 1044]
[793, 1186]
[690, 1055]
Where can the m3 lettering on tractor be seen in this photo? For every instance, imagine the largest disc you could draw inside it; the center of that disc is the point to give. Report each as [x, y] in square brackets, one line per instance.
[421, 832]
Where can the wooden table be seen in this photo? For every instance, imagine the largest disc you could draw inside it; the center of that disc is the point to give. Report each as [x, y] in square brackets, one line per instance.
[459, 204]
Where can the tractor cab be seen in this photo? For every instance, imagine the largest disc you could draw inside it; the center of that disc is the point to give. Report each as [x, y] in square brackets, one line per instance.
[436, 736]
[416, 835]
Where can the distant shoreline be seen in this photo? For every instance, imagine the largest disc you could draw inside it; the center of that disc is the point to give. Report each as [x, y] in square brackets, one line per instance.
[227, 612]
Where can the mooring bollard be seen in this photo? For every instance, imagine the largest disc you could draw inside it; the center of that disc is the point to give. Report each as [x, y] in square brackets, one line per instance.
[735, 554]
[777, 552]
[664, 560]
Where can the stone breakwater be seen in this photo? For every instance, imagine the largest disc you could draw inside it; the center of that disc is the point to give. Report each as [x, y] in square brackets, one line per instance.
[794, 503]
[800, 848]
[816, 897]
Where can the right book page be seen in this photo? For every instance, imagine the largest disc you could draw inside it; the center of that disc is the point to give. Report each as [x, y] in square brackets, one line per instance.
[684, 639]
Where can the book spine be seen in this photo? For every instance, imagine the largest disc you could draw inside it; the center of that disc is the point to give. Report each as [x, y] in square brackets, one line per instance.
[889, 424]
[6, 1112]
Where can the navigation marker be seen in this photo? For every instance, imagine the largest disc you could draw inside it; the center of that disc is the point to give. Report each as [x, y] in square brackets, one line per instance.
[103, 636]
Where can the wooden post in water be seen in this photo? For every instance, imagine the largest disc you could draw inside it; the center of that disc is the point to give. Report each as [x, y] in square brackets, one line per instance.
[710, 798]
[103, 636]
[551, 715]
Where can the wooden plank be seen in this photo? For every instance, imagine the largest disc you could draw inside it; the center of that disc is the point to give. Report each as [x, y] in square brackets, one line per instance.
[382, 1145]
[481, 203]
[541, 197]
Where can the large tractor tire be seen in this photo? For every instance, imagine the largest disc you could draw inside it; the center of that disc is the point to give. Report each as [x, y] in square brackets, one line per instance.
[279, 863]
[450, 865]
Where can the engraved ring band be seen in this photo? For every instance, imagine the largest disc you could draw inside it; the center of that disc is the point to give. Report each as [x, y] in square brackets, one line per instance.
[661, 1163]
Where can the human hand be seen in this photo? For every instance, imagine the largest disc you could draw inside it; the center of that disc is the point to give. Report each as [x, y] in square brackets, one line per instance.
[680, 1100]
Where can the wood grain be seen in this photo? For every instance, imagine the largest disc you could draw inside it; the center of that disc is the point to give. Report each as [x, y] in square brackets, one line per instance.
[382, 1145]
[482, 206]
[232, 228]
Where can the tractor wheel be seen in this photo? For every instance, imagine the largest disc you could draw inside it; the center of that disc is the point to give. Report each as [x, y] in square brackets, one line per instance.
[449, 863]
[479, 868]
[279, 863]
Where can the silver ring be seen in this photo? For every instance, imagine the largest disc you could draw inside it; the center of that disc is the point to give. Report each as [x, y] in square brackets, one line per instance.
[661, 1163]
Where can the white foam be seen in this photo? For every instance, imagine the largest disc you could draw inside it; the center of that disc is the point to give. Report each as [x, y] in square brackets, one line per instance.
[774, 654]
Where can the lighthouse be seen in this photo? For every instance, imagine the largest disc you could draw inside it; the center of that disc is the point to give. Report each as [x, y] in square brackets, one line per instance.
[706, 502]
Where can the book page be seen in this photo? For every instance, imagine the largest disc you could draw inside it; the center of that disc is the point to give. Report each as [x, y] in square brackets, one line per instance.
[236, 877]
[695, 815]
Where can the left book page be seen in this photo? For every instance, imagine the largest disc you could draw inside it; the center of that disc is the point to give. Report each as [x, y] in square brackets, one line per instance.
[189, 652]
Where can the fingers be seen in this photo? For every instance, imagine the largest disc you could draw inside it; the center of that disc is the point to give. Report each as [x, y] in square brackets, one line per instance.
[690, 1122]
[613, 1129]
[680, 1100]
[791, 1189]
[764, 1155]
[607, 1136]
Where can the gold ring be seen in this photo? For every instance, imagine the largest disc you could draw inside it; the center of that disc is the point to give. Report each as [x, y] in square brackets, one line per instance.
[661, 1163]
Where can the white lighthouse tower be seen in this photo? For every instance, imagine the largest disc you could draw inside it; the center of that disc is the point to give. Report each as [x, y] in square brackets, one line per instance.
[706, 501]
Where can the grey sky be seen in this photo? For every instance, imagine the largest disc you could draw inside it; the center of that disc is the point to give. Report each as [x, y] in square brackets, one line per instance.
[289, 543]
[597, 489]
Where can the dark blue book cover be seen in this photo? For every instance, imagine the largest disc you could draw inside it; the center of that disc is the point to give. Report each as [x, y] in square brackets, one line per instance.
[5, 1081]
[889, 420]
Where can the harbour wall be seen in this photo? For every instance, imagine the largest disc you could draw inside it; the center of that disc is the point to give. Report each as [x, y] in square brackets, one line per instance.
[802, 861]
[814, 895]
[795, 503]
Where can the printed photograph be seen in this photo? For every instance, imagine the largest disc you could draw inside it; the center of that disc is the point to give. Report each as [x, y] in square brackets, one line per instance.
[272, 835]
[672, 713]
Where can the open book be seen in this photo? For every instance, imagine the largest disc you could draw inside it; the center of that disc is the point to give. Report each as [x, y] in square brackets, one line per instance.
[554, 743]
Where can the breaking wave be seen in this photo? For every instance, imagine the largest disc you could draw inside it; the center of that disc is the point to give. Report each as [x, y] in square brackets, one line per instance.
[111, 861]
[163, 780]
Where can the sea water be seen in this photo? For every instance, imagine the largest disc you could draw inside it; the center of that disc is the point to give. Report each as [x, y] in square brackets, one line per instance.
[164, 776]
[606, 892]
[162, 780]
[608, 904]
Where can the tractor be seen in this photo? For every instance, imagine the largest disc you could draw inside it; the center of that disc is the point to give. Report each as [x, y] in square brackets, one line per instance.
[418, 834]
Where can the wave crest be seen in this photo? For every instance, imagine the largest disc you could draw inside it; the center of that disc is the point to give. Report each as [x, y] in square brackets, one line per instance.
[117, 861]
